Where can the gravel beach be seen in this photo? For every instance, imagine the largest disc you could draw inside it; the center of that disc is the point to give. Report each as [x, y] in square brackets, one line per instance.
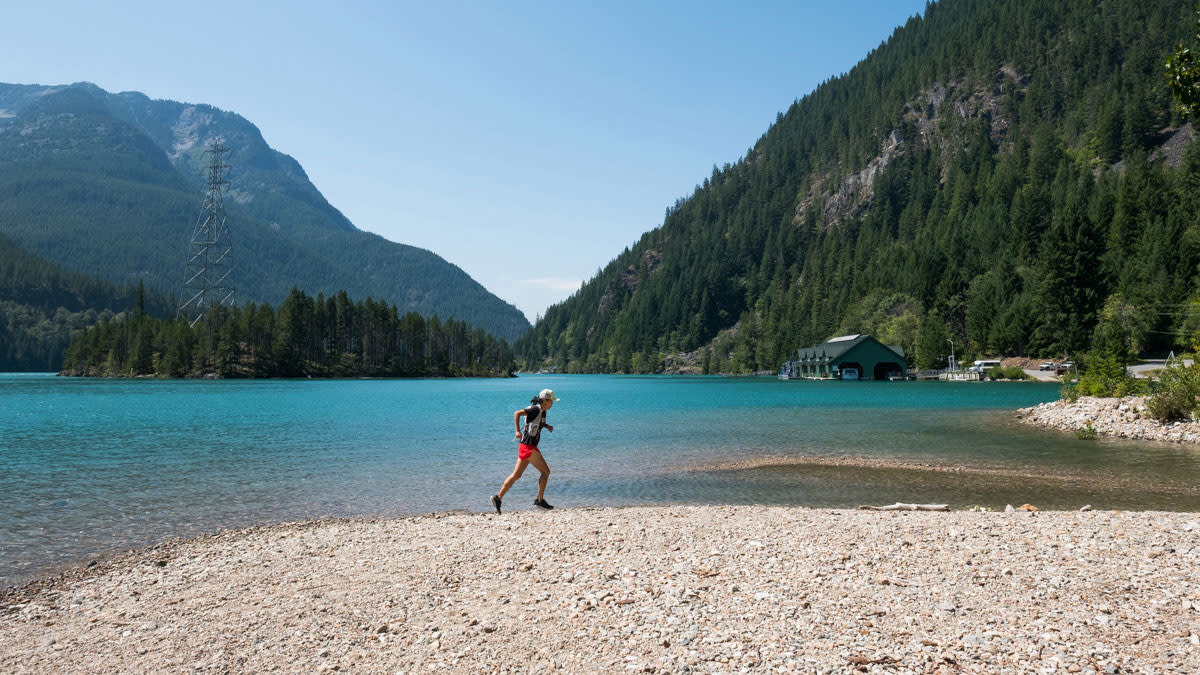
[1110, 417]
[643, 589]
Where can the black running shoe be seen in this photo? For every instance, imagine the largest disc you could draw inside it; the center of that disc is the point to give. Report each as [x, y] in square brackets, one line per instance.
[496, 503]
[542, 503]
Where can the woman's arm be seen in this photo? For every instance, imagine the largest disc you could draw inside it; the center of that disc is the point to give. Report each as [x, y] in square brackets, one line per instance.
[517, 420]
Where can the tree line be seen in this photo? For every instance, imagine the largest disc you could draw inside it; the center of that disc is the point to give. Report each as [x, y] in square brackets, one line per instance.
[306, 337]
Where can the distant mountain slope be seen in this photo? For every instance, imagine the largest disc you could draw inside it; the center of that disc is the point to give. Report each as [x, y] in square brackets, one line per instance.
[1001, 176]
[42, 306]
[110, 184]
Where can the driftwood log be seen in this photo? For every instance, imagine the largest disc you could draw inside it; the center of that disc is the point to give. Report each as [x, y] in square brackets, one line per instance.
[908, 507]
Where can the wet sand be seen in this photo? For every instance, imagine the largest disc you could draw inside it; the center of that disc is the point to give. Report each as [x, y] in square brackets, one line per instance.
[967, 485]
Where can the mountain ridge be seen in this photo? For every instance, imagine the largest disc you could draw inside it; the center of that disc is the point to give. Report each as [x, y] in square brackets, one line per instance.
[78, 163]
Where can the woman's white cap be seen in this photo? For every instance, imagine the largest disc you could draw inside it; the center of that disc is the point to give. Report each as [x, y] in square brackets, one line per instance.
[548, 394]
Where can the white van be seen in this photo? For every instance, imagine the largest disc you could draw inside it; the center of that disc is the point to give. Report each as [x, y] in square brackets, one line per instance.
[983, 365]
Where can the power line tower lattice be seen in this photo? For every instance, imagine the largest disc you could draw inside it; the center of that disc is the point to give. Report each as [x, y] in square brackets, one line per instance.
[210, 255]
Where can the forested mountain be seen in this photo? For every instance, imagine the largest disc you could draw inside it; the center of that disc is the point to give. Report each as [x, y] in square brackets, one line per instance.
[999, 176]
[42, 306]
[111, 185]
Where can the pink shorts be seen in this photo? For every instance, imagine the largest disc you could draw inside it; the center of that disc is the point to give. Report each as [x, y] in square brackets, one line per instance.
[524, 451]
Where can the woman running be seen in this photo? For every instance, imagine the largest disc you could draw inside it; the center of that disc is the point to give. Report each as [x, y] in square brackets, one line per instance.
[527, 451]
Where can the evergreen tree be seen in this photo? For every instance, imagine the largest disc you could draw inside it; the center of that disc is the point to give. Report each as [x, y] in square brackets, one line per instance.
[1183, 75]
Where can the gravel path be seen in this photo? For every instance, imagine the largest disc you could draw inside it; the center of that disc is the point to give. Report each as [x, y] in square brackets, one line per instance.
[647, 589]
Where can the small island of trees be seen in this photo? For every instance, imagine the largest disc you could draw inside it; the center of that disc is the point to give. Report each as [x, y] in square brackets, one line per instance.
[306, 337]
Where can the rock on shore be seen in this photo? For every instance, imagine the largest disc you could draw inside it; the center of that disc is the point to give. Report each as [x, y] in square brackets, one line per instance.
[1112, 417]
[647, 589]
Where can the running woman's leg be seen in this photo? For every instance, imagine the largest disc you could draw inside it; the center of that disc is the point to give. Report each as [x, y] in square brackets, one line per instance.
[517, 471]
[539, 463]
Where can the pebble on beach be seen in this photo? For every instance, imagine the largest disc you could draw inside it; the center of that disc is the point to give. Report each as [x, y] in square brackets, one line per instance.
[643, 589]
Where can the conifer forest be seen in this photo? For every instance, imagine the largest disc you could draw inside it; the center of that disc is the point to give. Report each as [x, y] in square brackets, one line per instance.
[306, 337]
[1009, 177]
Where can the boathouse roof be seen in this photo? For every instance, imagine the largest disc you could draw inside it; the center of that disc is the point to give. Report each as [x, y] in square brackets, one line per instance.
[834, 348]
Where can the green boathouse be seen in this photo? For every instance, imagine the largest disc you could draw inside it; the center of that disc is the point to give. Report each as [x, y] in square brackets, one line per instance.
[849, 357]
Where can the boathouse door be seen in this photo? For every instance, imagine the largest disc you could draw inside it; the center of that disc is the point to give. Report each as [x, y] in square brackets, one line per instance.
[887, 371]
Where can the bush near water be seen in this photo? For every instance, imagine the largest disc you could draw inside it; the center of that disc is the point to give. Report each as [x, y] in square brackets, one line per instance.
[1178, 394]
[1174, 396]
[1006, 373]
[305, 337]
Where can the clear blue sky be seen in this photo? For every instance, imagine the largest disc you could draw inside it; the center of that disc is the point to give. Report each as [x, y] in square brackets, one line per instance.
[526, 142]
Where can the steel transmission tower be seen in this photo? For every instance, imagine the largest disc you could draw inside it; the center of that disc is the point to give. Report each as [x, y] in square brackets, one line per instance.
[210, 255]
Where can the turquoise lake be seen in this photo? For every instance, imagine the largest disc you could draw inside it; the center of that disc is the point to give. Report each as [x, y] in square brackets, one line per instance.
[91, 466]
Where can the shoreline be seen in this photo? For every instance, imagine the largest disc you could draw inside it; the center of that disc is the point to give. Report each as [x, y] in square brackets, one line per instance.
[632, 589]
[1123, 418]
[1167, 496]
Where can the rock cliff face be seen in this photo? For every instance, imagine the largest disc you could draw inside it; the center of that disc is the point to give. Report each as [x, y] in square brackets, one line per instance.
[263, 180]
[852, 193]
[1177, 140]
[939, 117]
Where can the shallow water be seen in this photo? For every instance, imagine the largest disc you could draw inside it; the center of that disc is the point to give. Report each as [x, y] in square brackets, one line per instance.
[88, 466]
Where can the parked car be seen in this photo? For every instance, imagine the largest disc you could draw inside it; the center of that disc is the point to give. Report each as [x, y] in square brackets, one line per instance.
[1062, 368]
[1047, 365]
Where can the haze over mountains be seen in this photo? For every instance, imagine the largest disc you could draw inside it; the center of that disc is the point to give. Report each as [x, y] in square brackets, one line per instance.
[1003, 176]
[111, 184]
